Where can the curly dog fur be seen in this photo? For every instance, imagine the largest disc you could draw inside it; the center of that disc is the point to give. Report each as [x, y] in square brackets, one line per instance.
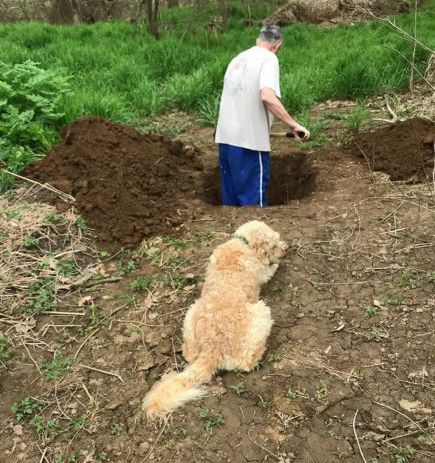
[227, 327]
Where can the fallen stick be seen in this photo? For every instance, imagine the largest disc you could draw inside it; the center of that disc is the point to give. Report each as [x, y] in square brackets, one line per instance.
[356, 437]
[408, 418]
[98, 326]
[64, 196]
[83, 281]
[110, 373]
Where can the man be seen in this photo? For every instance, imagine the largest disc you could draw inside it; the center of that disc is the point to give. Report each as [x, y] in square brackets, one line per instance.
[250, 98]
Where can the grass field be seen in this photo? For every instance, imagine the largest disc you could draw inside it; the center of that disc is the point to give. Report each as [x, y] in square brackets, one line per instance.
[118, 71]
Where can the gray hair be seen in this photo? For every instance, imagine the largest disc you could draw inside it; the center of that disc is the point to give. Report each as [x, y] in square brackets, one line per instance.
[270, 33]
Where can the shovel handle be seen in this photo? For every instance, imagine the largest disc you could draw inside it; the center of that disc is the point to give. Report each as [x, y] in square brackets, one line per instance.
[289, 134]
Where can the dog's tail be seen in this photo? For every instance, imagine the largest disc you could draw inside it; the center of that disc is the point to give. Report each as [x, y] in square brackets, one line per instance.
[175, 389]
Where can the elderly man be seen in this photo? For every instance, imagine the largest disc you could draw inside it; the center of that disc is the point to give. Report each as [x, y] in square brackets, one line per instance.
[250, 98]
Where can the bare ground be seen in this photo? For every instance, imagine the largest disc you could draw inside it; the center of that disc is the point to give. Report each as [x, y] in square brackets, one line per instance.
[349, 373]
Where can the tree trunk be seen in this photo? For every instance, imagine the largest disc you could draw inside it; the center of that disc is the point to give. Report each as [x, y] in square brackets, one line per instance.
[152, 10]
[61, 12]
[223, 11]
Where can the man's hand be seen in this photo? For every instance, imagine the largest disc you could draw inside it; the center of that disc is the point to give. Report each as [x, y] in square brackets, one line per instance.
[299, 130]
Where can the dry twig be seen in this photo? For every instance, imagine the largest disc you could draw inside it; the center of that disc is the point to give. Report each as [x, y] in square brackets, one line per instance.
[98, 326]
[64, 196]
[110, 373]
[260, 446]
[356, 437]
[158, 437]
[407, 417]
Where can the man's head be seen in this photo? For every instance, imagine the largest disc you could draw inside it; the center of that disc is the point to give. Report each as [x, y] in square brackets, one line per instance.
[270, 38]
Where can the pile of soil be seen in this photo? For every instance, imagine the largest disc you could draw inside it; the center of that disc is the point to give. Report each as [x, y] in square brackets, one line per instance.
[127, 185]
[405, 150]
[292, 176]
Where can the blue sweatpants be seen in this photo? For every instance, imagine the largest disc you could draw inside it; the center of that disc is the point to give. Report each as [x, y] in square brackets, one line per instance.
[245, 176]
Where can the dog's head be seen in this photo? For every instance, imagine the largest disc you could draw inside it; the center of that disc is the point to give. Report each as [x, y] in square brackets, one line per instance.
[265, 242]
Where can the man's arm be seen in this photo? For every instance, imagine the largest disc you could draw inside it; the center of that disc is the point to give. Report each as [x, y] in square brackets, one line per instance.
[274, 105]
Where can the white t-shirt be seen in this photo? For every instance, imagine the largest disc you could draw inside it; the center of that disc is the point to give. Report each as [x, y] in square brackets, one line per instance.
[243, 119]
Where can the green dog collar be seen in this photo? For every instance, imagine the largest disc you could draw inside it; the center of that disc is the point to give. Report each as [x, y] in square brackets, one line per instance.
[242, 239]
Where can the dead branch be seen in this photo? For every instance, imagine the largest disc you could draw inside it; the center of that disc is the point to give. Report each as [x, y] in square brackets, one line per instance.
[356, 437]
[64, 196]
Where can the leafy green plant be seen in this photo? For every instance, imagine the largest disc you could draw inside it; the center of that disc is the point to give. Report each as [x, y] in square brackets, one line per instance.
[31, 99]
[77, 423]
[298, 393]
[56, 368]
[203, 237]
[408, 279]
[126, 267]
[142, 284]
[46, 428]
[74, 457]
[273, 358]
[27, 407]
[81, 224]
[92, 319]
[240, 388]
[101, 456]
[30, 242]
[212, 420]
[54, 219]
[15, 212]
[322, 392]
[372, 311]
[176, 243]
[40, 295]
[267, 404]
[176, 281]
[391, 299]
[67, 268]
[116, 429]
[175, 262]
[5, 349]
[405, 455]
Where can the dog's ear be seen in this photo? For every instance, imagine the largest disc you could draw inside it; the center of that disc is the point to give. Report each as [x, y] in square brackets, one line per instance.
[262, 251]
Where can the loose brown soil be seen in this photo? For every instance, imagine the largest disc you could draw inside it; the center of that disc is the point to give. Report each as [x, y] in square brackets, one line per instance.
[405, 151]
[127, 185]
[350, 359]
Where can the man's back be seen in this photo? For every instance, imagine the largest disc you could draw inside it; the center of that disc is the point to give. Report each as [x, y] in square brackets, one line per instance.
[243, 119]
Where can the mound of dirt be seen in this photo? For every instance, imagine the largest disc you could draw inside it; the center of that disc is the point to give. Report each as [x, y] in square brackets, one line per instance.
[127, 185]
[404, 150]
[291, 177]
[319, 11]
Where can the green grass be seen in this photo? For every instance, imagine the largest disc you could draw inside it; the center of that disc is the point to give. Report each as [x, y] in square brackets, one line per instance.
[212, 420]
[118, 71]
[40, 296]
[56, 368]
[6, 351]
[27, 407]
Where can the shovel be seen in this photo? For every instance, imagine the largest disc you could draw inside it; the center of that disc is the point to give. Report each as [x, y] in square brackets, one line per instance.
[289, 134]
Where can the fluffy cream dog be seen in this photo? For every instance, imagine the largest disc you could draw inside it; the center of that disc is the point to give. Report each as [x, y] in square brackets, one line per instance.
[227, 327]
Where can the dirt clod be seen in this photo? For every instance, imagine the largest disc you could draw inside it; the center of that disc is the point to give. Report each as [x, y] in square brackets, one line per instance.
[401, 150]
